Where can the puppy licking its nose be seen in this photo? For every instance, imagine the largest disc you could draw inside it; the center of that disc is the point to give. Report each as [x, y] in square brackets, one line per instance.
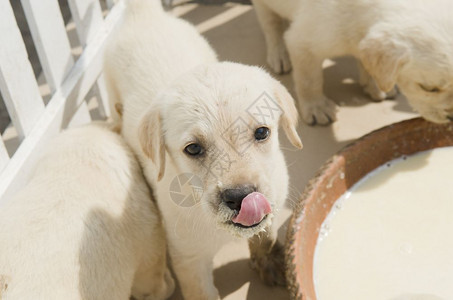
[186, 113]
[250, 206]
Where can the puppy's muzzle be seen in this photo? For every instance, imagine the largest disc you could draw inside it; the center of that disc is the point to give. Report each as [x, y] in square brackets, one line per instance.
[249, 206]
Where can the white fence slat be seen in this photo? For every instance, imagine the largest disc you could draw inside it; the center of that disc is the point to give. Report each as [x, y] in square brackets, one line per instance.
[101, 92]
[17, 81]
[104, 107]
[4, 157]
[59, 110]
[87, 15]
[110, 3]
[81, 116]
[51, 41]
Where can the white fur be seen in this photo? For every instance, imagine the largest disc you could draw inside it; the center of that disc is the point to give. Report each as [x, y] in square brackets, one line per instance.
[85, 227]
[408, 43]
[159, 65]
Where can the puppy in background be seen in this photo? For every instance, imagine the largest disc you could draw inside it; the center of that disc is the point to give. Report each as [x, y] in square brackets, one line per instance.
[408, 43]
[85, 226]
[193, 120]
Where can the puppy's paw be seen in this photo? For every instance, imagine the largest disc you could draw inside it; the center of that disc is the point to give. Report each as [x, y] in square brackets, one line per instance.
[318, 112]
[278, 59]
[270, 266]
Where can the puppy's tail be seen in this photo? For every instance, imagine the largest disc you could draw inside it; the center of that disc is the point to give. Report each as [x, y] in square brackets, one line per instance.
[134, 7]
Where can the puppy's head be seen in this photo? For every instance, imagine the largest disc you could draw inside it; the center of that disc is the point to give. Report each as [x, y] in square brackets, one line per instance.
[220, 123]
[420, 61]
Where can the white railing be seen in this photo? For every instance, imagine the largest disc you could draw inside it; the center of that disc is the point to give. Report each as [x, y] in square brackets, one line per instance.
[69, 80]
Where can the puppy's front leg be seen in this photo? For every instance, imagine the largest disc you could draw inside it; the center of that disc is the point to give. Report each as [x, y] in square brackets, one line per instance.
[195, 275]
[314, 107]
[267, 258]
[273, 27]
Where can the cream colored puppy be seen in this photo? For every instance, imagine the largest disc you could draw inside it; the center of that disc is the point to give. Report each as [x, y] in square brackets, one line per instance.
[408, 43]
[210, 127]
[85, 227]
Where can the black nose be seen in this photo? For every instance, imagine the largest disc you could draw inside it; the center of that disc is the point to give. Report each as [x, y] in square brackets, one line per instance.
[233, 197]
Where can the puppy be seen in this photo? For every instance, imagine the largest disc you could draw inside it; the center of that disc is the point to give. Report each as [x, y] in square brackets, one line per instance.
[408, 43]
[208, 126]
[85, 226]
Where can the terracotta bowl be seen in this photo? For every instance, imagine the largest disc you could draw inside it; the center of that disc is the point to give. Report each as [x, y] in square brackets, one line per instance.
[337, 175]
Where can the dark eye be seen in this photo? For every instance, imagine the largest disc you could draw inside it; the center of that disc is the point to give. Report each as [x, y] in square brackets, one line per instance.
[429, 89]
[193, 149]
[262, 133]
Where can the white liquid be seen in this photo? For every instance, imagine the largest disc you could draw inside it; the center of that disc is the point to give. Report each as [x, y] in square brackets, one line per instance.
[391, 236]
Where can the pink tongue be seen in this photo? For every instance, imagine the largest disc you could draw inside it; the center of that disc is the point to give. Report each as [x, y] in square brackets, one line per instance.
[253, 209]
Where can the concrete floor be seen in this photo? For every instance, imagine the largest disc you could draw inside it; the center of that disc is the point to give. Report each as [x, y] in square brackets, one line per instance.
[233, 31]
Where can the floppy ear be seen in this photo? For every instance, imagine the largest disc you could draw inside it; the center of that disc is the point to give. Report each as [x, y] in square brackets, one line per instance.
[383, 58]
[152, 140]
[289, 117]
